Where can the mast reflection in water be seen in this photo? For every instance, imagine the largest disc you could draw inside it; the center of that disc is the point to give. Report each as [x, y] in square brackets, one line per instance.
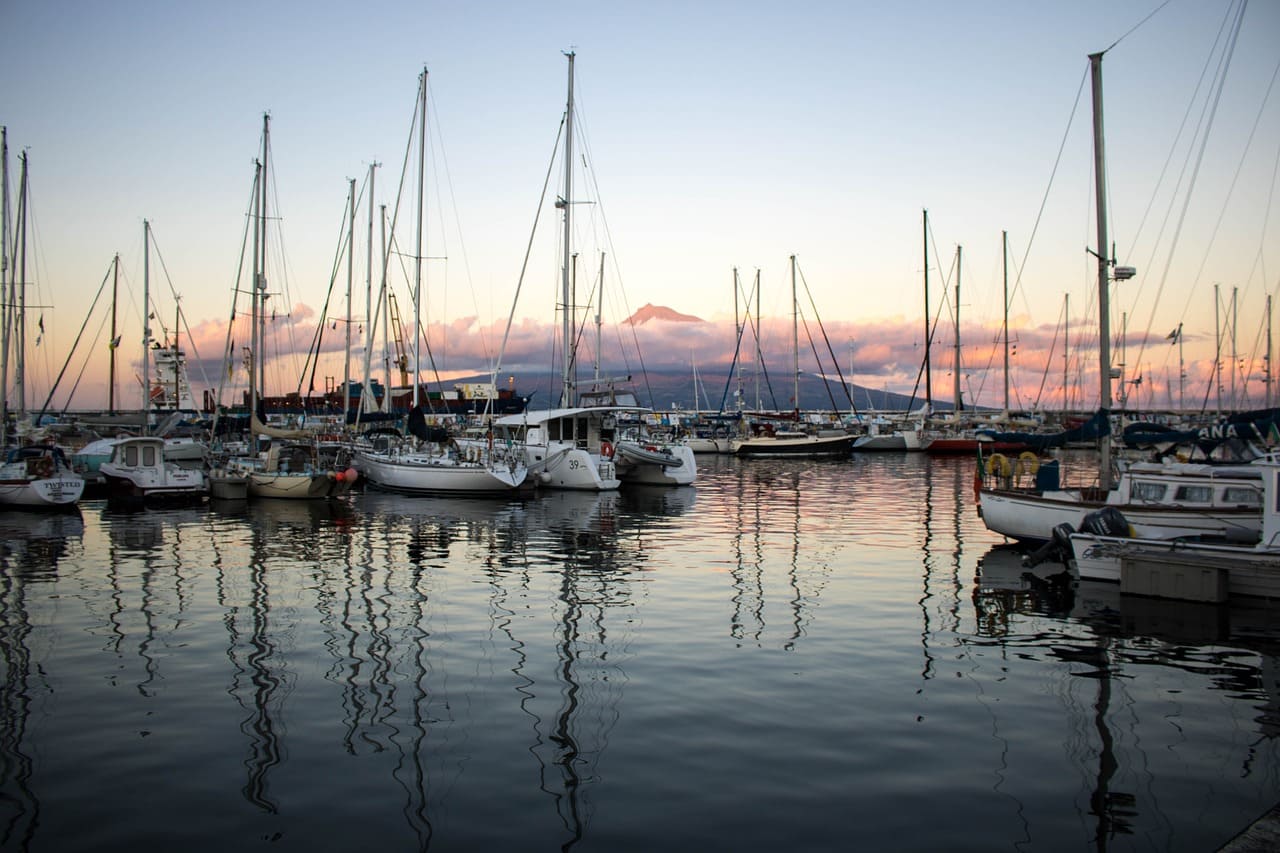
[798, 654]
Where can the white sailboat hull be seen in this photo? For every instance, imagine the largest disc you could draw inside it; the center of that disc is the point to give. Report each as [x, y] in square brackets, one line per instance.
[423, 473]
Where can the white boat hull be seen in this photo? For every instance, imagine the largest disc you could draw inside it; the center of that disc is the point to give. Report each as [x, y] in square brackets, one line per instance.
[298, 486]
[672, 465]
[421, 473]
[1031, 517]
[1250, 571]
[58, 492]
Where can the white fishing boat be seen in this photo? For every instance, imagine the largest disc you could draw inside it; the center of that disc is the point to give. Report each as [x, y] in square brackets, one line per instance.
[138, 474]
[1160, 501]
[1204, 566]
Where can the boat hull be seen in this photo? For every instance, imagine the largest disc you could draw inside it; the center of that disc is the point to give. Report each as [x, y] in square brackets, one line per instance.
[672, 465]
[414, 473]
[1032, 516]
[1250, 571]
[796, 447]
[60, 492]
[318, 486]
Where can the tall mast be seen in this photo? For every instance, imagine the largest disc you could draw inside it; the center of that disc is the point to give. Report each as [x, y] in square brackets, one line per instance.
[1004, 257]
[146, 326]
[737, 330]
[417, 267]
[1266, 359]
[759, 353]
[5, 286]
[367, 401]
[1104, 275]
[384, 305]
[1066, 351]
[351, 252]
[928, 337]
[795, 338]
[115, 288]
[255, 354]
[1217, 348]
[261, 362]
[20, 291]
[566, 382]
[599, 313]
[958, 402]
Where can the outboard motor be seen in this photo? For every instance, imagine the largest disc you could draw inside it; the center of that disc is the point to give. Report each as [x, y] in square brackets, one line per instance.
[1058, 548]
[1107, 521]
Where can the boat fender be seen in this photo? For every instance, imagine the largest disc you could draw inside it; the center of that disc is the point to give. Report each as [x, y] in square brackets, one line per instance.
[606, 450]
[998, 464]
[1028, 462]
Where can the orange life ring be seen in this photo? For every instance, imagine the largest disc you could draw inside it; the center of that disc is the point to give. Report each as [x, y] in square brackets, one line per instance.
[606, 450]
[44, 468]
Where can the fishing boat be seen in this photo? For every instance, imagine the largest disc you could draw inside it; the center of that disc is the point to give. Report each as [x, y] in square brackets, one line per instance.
[1160, 500]
[1206, 566]
[430, 461]
[138, 475]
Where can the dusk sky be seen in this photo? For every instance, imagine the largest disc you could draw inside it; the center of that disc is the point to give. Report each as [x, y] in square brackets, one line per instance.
[716, 134]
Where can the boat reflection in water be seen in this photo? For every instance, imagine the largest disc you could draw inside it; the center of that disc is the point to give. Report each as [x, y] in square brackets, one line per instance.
[763, 662]
[1119, 650]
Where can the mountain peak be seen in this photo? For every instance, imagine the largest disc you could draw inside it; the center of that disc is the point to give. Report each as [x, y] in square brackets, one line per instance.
[659, 312]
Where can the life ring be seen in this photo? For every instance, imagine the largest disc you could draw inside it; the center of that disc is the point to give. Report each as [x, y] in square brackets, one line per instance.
[606, 450]
[1028, 462]
[44, 468]
[998, 464]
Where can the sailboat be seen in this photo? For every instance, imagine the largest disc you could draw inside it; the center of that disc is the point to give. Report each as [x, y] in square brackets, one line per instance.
[595, 440]
[432, 462]
[764, 439]
[36, 476]
[1159, 501]
[291, 466]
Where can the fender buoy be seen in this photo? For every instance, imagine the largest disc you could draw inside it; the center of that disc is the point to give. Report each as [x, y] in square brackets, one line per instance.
[1028, 462]
[606, 450]
[998, 465]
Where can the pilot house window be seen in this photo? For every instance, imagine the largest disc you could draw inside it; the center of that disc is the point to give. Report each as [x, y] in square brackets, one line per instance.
[1148, 491]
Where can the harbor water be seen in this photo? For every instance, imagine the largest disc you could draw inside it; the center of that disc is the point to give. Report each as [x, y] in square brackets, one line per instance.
[792, 655]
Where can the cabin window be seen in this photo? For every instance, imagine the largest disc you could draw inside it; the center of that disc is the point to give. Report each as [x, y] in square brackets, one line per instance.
[1241, 495]
[1147, 491]
[1194, 494]
[149, 455]
[131, 455]
[553, 431]
[583, 431]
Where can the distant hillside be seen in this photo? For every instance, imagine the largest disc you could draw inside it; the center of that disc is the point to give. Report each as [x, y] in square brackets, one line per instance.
[659, 312]
[666, 389]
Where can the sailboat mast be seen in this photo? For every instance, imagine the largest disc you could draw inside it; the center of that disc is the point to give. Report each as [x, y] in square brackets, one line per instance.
[255, 353]
[261, 362]
[20, 293]
[351, 259]
[417, 267]
[566, 383]
[1104, 275]
[737, 331]
[958, 401]
[146, 326]
[1266, 357]
[599, 313]
[759, 353]
[1004, 256]
[795, 339]
[367, 402]
[1066, 349]
[5, 285]
[928, 336]
[115, 289]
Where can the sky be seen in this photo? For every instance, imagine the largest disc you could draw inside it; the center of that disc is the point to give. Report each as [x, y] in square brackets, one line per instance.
[712, 136]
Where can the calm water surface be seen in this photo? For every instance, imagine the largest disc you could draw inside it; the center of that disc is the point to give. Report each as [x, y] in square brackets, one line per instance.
[793, 655]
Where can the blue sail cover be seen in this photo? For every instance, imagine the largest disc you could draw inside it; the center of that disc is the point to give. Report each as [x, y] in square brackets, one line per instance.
[1097, 426]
